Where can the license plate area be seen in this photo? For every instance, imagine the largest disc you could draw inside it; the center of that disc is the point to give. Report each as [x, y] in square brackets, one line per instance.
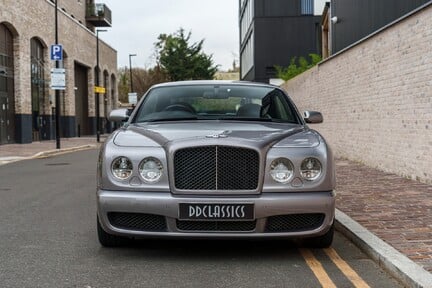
[214, 212]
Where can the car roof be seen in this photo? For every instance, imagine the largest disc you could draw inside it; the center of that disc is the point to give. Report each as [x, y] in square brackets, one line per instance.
[213, 82]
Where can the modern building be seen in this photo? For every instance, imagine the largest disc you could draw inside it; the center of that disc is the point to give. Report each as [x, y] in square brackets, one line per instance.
[347, 21]
[274, 31]
[27, 102]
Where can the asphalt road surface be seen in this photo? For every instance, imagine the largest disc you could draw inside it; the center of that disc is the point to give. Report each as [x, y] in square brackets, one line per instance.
[48, 239]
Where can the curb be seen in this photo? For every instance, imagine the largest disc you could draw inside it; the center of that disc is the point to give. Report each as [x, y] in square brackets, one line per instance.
[10, 159]
[54, 152]
[395, 263]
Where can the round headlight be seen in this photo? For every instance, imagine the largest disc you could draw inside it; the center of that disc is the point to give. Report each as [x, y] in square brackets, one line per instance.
[150, 169]
[281, 170]
[122, 168]
[310, 169]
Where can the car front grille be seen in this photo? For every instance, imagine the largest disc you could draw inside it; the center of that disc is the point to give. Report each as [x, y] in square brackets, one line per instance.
[216, 168]
[138, 221]
[294, 222]
[216, 226]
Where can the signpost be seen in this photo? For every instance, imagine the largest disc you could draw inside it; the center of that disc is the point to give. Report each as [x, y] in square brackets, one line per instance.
[132, 98]
[56, 52]
[100, 90]
[58, 79]
[57, 56]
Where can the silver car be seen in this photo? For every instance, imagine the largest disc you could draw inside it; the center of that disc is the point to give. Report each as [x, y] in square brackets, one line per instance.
[215, 159]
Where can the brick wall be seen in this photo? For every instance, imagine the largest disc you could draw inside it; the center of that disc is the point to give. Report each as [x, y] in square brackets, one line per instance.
[28, 19]
[376, 98]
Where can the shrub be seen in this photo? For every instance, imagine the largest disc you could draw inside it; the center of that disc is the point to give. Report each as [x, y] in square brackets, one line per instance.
[296, 67]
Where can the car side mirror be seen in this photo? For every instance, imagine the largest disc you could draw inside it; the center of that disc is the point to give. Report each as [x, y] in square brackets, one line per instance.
[119, 115]
[313, 117]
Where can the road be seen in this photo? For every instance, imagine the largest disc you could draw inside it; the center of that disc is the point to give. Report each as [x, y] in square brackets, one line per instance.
[48, 239]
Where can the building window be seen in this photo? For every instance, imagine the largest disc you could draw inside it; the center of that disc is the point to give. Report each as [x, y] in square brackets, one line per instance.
[247, 54]
[307, 7]
[246, 19]
[37, 86]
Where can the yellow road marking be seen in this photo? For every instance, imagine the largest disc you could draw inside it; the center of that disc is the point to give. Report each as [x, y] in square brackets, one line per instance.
[355, 279]
[317, 269]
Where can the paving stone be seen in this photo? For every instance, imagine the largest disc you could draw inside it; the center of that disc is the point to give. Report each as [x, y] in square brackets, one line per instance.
[396, 209]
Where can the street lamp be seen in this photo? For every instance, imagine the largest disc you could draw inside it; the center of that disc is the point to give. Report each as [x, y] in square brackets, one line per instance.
[98, 132]
[130, 71]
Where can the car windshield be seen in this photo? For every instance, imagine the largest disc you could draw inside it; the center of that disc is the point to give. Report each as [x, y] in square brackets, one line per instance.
[216, 102]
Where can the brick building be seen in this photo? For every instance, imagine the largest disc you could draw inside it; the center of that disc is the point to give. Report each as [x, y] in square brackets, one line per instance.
[27, 103]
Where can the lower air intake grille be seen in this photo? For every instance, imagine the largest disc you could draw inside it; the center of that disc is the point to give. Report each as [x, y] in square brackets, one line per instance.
[138, 221]
[294, 222]
[217, 226]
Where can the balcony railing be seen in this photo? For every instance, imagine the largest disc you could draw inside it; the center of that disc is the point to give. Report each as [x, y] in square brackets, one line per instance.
[99, 15]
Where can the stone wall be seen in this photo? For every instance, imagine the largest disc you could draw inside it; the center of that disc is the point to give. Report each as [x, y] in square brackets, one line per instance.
[376, 98]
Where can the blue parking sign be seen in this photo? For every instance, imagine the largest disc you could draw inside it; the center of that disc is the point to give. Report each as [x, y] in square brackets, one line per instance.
[56, 52]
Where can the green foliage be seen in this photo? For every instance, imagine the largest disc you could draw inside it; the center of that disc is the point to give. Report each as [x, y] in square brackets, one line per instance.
[296, 67]
[181, 60]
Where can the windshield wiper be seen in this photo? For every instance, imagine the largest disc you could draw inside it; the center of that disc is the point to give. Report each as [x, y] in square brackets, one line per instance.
[169, 119]
[246, 119]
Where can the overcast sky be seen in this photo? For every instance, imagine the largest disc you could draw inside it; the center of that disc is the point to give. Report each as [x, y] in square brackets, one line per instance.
[136, 24]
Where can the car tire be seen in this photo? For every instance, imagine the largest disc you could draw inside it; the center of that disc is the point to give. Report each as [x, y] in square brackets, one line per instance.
[108, 240]
[323, 241]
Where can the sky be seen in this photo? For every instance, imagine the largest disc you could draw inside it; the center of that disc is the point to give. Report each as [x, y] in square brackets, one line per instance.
[136, 25]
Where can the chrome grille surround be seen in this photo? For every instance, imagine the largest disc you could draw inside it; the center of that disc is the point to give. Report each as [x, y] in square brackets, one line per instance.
[216, 168]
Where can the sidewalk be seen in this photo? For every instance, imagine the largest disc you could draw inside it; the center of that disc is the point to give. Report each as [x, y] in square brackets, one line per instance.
[388, 216]
[15, 152]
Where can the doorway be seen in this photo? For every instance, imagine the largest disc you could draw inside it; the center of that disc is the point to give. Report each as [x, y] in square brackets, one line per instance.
[7, 98]
[83, 126]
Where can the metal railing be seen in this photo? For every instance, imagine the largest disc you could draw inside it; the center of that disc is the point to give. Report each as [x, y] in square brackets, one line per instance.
[99, 11]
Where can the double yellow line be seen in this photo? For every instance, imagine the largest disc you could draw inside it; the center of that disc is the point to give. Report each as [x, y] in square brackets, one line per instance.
[322, 275]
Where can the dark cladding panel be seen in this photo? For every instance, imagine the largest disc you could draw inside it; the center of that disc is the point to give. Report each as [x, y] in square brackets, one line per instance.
[357, 19]
[23, 128]
[283, 38]
[277, 8]
[280, 32]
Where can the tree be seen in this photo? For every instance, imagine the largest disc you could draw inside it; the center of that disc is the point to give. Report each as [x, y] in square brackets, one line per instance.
[181, 60]
[143, 79]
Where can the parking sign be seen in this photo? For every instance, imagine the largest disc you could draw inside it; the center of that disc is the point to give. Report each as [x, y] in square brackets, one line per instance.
[56, 52]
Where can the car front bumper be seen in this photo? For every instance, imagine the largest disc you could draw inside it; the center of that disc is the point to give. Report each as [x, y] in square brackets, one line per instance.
[146, 214]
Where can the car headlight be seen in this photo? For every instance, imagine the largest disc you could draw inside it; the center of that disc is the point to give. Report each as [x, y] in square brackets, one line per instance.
[150, 169]
[281, 170]
[310, 169]
[122, 168]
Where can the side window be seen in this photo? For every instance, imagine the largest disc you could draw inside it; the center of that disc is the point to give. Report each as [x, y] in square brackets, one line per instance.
[307, 7]
[277, 107]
